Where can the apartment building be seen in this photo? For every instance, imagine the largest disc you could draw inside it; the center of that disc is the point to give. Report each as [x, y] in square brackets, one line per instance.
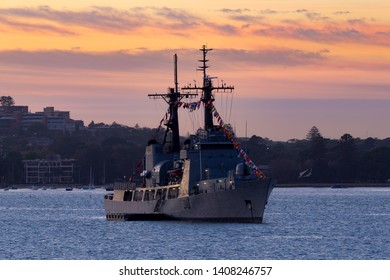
[20, 117]
[52, 170]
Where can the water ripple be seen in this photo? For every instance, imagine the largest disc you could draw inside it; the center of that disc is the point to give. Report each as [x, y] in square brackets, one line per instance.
[298, 224]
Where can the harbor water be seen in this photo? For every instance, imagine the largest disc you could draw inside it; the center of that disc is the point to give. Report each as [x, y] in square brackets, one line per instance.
[299, 224]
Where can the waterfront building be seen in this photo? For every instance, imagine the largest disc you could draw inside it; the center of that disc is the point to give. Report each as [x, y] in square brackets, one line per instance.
[52, 170]
[19, 117]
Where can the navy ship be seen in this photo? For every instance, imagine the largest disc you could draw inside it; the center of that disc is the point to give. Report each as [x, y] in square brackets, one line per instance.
[207, 178]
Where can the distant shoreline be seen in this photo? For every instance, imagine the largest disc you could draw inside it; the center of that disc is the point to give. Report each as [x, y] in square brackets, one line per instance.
[295, 185]
[334, 185]
[37, 187]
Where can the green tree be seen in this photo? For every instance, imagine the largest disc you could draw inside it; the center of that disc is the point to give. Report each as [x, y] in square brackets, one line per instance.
[313, 134]
[376, 165]
[316, 154]
[7, 101]
[12, 168]
[258, 149]
[284, 170]
[347, 158]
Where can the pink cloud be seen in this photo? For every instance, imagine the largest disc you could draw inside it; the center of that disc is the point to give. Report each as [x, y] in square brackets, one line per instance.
[113, 86]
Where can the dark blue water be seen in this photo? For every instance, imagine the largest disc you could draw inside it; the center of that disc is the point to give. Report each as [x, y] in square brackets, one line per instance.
[300, 223]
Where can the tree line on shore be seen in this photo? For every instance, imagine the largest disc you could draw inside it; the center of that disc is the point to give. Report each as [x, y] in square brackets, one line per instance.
[113, 153]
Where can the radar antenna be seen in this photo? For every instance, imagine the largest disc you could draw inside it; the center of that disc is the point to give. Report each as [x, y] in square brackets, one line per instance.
[172, 98]
[207, 90]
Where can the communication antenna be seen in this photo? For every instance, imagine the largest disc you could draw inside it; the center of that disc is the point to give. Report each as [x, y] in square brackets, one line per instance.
[172, 98]
[207, 90]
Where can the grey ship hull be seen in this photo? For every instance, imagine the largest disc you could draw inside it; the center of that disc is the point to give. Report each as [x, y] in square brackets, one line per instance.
[243, 204]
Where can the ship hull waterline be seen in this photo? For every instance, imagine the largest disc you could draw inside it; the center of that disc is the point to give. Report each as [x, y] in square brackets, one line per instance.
[245, 204]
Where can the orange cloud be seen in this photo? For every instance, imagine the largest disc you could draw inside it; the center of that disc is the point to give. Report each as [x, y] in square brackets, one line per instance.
[83, 59]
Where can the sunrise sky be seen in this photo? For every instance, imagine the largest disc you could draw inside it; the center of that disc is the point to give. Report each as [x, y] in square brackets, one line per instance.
[294, 64]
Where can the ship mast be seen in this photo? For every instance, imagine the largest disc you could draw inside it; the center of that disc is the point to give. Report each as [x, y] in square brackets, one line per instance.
[172, 98]
[207, 90]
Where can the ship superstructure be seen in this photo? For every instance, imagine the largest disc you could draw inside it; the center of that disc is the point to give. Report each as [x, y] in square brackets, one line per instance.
[207, 178]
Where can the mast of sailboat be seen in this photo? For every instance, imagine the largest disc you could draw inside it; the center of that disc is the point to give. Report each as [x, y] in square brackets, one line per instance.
[104, 172]
[90, 176]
